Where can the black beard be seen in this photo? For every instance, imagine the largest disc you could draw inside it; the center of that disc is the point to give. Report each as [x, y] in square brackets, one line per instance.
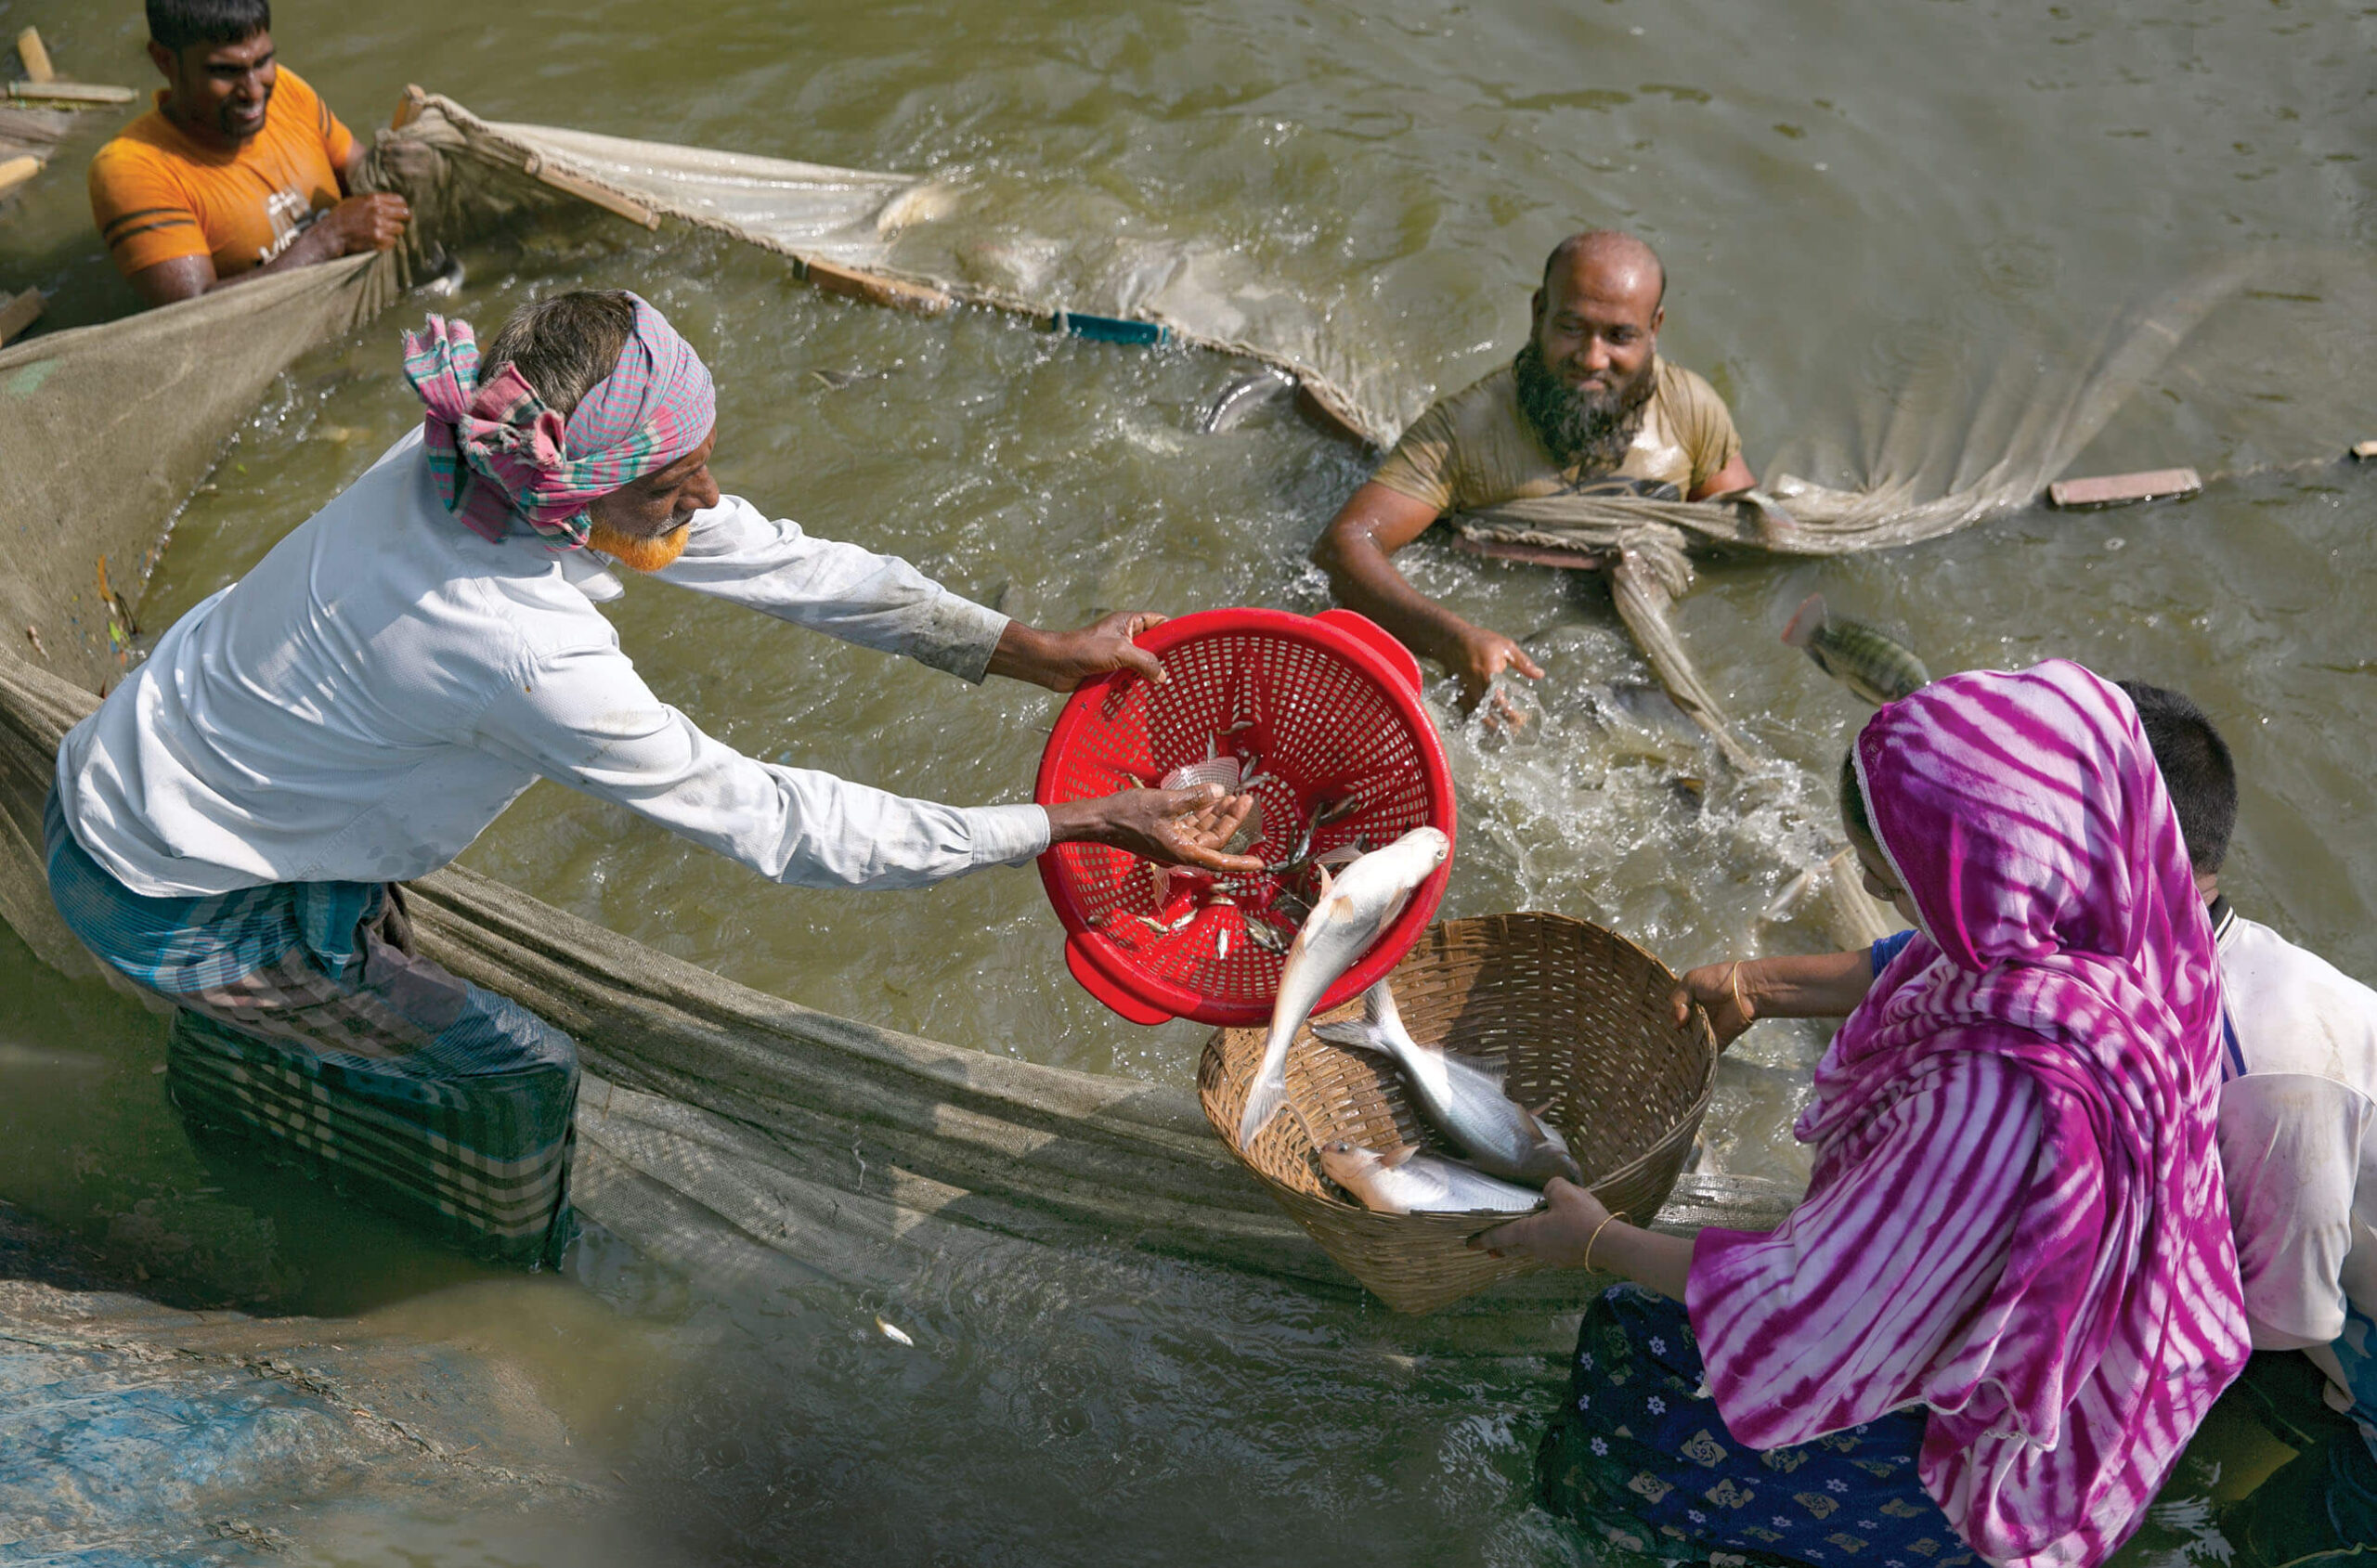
[1584, 430]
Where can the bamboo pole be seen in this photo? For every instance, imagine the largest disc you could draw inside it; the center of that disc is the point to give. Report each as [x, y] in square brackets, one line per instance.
[80, 95]
[31, 50]
[587, 190]
[892, 291]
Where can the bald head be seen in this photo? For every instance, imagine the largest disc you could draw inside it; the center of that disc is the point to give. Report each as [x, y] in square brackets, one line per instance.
[1604, 261]
[1588, 367]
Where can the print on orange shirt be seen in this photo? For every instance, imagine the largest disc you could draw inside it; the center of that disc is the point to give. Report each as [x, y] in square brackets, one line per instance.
[157, 195]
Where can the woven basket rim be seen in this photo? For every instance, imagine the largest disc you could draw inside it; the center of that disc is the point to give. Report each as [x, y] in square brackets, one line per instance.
[1327, 1212]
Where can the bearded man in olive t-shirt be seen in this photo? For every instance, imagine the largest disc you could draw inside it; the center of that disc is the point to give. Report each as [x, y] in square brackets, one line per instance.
[1588, 408]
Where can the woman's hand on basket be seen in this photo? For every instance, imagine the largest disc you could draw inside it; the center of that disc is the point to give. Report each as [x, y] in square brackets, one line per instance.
[1560, 1235]
[1721, 991]
[1168, 826]
[1062, 660]
[1575, 1231]
[1812, 985]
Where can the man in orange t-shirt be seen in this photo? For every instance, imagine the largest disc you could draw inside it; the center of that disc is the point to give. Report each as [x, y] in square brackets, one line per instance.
[240, 170]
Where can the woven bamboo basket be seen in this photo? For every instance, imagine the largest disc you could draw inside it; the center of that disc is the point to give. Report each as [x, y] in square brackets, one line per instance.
[1579, 1018]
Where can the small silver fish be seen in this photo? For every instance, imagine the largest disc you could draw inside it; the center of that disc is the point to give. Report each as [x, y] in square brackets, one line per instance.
[446, 282]
[894, 1333]
[1409, 1182]
[833, 380]
[1789, 899]
[1323, 813]
[1463, 1098]
[1863, 659]
[1242, 397]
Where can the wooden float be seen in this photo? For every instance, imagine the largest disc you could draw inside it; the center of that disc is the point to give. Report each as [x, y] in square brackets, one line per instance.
[73, 95]
[19, 313]
[36, 56]
[2125, 489]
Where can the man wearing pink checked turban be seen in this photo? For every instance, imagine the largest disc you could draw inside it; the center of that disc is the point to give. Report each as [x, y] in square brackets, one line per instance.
[230, 829]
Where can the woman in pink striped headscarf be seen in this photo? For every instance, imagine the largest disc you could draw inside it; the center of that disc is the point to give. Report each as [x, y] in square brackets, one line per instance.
[2011, 1294]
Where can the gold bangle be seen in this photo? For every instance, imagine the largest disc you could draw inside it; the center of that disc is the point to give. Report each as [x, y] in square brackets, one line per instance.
[1741, 1003]
[1596, 1236]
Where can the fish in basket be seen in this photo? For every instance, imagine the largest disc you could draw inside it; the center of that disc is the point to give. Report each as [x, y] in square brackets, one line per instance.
[1570, 1020]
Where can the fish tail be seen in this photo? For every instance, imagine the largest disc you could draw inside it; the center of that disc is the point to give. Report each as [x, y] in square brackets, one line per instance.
[1263, 1102]
[1806, 621]
[1353, 1034]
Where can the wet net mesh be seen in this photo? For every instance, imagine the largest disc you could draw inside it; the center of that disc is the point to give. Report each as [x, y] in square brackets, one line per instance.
[140, 1434]
[734, 1131]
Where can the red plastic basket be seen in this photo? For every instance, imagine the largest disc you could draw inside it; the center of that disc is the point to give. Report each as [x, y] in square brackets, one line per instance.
[1329, 705]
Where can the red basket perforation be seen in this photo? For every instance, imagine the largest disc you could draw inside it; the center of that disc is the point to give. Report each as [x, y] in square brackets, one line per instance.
[1329, 706]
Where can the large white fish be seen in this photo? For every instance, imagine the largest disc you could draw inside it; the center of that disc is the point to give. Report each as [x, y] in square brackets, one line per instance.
[1353, 911]
[1409, 1182]
[1464, 1099]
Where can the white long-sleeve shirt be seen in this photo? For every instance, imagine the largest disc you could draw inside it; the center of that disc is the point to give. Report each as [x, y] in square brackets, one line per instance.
[366, 701]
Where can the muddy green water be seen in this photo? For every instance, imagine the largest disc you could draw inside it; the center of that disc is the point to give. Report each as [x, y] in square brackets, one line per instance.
[1846, 198]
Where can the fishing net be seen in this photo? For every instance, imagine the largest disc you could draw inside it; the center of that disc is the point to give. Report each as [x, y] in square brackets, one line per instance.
[896, 239]
[104, 430]
[146, 1434]
[718, 1119]
[729, 1130]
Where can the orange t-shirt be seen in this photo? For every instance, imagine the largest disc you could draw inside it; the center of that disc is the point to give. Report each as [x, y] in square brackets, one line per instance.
[157, 195]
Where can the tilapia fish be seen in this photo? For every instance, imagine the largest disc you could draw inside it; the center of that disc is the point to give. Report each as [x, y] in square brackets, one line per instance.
[1353, 911]
[1461, 1098]
[1410, 1182]
[1863, 659]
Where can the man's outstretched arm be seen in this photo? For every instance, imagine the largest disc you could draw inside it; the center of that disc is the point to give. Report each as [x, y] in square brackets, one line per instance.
[584, 717]
[738, 553]
[1355, 551]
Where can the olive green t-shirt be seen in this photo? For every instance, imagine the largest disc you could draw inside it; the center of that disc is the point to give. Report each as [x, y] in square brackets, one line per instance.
[1476, 449]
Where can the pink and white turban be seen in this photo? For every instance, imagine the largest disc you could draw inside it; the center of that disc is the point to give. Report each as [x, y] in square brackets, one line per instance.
[499, 454]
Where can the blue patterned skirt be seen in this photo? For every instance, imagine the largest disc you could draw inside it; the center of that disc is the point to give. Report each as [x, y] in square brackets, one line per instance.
[305, 1025]
[1639, 1456]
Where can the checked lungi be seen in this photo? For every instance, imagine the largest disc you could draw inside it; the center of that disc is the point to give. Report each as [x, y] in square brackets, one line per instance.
[304, 1022]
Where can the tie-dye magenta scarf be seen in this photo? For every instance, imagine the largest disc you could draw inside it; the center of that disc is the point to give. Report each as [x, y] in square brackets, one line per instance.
[499, 456]
[2063, 933]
